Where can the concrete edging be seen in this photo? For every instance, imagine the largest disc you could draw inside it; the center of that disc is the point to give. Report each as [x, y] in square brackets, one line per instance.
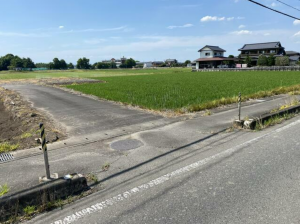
[251, 123]
[13, 205]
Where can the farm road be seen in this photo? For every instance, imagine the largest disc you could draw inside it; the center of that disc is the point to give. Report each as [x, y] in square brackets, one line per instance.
[164, 141]
[80, 115]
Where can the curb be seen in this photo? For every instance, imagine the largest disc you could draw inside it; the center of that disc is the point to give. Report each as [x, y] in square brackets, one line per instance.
[13, 205]
[251, 123]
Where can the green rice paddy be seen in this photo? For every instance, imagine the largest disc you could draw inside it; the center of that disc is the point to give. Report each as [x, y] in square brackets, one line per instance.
[183, 90]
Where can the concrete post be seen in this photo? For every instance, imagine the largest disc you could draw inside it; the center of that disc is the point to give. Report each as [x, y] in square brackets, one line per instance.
[44, 148]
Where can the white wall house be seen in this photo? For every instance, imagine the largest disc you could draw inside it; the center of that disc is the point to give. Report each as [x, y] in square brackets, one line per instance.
[211, 51]
[210, 56]
[147, 65]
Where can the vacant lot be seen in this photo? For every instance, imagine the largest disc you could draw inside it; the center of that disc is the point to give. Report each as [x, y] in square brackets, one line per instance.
[183, 90]
[19, 123]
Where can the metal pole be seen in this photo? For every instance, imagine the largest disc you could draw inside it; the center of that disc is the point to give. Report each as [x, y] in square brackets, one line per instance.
[240, 105]
[44, 148]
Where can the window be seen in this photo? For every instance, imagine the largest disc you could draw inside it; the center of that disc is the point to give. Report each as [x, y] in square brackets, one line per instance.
[272, 51]
[207, 54]
[261, 52]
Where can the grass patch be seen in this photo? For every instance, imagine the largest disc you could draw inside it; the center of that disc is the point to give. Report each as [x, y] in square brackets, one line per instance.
[183, 91]
[4, 189]
[26, 135]
[105, 166]
[92, 177]
[293, 102]
[29, 210]
[6, 147]
[273, 121]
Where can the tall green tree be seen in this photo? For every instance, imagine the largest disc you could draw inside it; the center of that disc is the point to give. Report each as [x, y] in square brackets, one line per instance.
[28, 63]
[83, 63]
[187, 62]
[240, 60]
[16, 62]
[51, 65]
[63, 64]
[56, 64]
[130, 63]
[231, 63]
[248, 61]
[262, 60]
[271, 60]
[70, 66]
[5, 61]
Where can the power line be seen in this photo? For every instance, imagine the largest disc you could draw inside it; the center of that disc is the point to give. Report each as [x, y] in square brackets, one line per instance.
[288, 5]
[257, 3]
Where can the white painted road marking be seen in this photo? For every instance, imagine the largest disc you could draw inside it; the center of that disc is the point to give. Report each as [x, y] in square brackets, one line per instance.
[114, 200]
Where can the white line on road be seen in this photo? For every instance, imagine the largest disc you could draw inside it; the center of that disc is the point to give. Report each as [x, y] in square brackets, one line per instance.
[114, 200]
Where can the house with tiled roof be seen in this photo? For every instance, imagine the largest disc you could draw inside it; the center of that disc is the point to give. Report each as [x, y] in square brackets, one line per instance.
[257, 49]
[212, 57]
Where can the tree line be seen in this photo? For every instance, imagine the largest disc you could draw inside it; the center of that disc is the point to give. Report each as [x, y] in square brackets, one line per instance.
[10, 62]
[14, 62]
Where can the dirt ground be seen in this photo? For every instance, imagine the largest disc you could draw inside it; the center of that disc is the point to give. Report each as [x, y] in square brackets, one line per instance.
[19, 123]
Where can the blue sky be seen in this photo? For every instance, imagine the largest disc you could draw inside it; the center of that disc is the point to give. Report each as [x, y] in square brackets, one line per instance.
[146, 30]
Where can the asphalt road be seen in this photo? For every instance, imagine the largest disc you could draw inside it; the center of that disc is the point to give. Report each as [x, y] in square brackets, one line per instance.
[81, 115]
[246, 179]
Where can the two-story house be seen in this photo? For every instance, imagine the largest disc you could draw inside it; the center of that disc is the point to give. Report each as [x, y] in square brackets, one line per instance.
[170, 62]
[255, 50]
[212, 57]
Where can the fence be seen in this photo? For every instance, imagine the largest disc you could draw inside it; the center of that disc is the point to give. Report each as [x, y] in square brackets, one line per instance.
[273, 68]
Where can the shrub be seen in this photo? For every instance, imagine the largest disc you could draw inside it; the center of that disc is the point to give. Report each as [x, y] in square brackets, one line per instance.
[262, 60]
[282, 61]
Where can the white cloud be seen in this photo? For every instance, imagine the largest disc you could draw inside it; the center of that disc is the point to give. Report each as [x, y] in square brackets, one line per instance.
[297, 34]
[61, 27]
[212, 18]
[242, 32]
[215, 18]
[267, 34]
[242, 26]
[296, 22]
[184, 26]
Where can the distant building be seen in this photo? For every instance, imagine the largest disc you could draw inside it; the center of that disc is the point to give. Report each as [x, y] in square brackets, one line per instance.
[274, 48]
[255, 50]
[294, 57]
[147, 65]
[170, 62]
[157, 63]
[118, 62]
[212, 57]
